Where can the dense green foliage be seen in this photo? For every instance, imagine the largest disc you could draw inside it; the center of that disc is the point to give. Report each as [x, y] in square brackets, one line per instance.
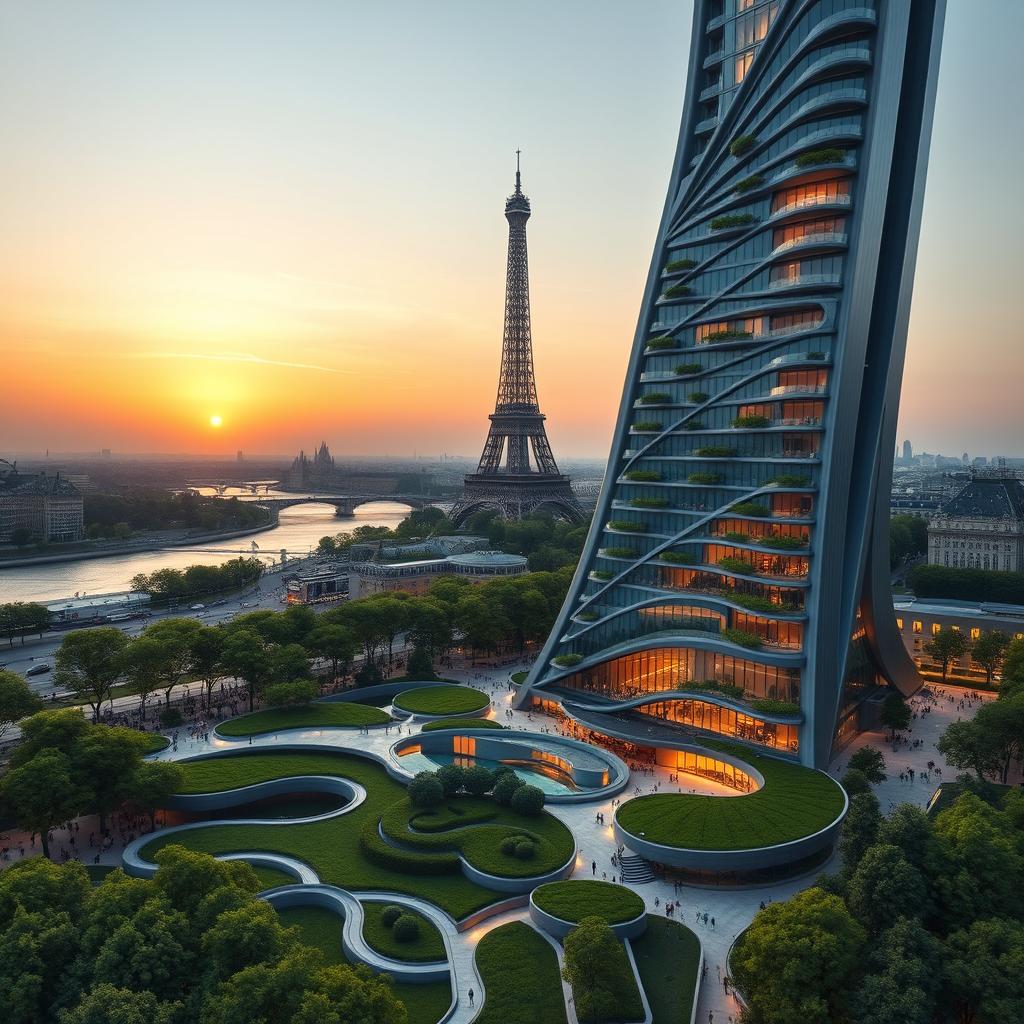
[141, 509]
[794, 802]
[166, 585]
[732, 220]
[908, 538]
[193, 944]
[520, 974]
[17, 700]
[742, 144]
[576, 899]
[442, 700]
[668, 958]
[318, 715]
[967, 584]
[461, 723]
[603, 984]
[426, 947]
[22, 619]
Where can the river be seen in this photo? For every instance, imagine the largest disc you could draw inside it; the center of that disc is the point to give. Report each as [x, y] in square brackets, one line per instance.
[298, 532]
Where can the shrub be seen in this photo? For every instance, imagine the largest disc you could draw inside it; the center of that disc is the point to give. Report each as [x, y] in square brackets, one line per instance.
[742, 638]
[677, 291]
[643, 475]
[714, 686]
[742, 144]
[663, 342]
[452, 778]
[746, 184]
[736, 537]
[677, 557]
[829, 155]
[790, 480]
[655, 398]
[732, 220]
[390, 914]
[505, 787]
[625, 526]
[649, 502]
[712, 451]
[755, 422]
[286, 695]
[726, 335]
[705, 478]
[426, 790]
[771, 706]
[619, 552]
[477, 780]
[687, 369]
[750, 508]
[568, 660]
[526, 849]
[750, 601]
[698, 396]
[782, 543]
[406, 929]
[735, 564]
[646, 426]
[601, 574]
[528, 800]
[855, 782]
[587, 616]
[675, 266]
[509, 844]
[967, 584]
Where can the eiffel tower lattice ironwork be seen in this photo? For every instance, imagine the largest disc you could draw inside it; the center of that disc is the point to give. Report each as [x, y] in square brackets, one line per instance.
[506, 479]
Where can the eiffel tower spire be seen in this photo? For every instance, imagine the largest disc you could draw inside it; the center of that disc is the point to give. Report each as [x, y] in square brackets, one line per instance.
[506, 478]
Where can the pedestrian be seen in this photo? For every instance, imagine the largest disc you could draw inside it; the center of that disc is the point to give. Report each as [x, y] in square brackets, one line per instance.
[471, 997]
[593, 867]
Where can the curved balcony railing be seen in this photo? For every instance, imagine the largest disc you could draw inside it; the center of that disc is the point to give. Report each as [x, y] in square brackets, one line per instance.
[798, 389]
[810, 202]
[818, 238]
[804, 281]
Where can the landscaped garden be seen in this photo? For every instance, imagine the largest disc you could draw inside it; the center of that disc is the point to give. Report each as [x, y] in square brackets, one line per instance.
[348, 851]
[793, 803]
[317, 715]
[519, 969]
[668, 958]
[576, 899]
[402, 934]
[442, 700]
[461, 723]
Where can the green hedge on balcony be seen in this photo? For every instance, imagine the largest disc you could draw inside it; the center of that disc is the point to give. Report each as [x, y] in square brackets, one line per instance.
[643, 475]
[770, 706]
[687, 369]
[830, 155]
[747, 184]
[742, 638]
[727, 335]
[790, 480]
[677, 557]
[567, 660]
[783, 543]
[675, 266]
[587, 616]
[648, 502]
[742, 144]
[618, 552]
[713, 451]
[698, 396]
[705, 478]
[693, 425]
[646, 426]
[625, 526]
[663, 342]
[655, 398]
[677, 291]
[735, 537]
[751, 602]
[730, 690]
[751, 422]
[733, 564]
[601, 574]
[750, 508]
[732, 220]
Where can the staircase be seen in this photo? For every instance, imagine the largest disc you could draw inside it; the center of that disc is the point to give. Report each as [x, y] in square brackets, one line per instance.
[635, 870]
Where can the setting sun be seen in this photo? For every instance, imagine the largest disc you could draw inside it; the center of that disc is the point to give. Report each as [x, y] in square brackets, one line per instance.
[215, 421]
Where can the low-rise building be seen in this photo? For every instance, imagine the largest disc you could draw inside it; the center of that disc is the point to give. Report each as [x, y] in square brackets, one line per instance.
[39, 507]
[324, 585]
[415, 577]
[982, 527]
[98, 608]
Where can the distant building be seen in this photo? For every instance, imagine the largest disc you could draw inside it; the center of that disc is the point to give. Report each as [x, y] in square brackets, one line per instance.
[415, 577]
[982, 527]
[99, 607]
[48, 507]
[239, 457]
[315, 472]
[323, 585]
[908, 452]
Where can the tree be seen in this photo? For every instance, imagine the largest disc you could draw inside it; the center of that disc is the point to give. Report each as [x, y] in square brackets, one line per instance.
[855, 782]
[335, 643]
[420, 665]
[860, 829]
[108, 757]
[426, 790]
[176, 638]
[153, 784]
[800, 960]
[42, 793]
[250, 934]
[286, 695]
[947, 646]
[894, 715]
[59, 729]
[289, 663]
[142, 661]
[108, 1004]
[245, 657]
[905, 972]
[982, 975]
[17, 701]
[1001, 722]
[870, 761]
[89, 662]
[207, 645]
[965, 746]
[23, 619]
[885, 886]
[1013, 663]
[597, 968]
[528, 800]
[988, 650]
[36, 953]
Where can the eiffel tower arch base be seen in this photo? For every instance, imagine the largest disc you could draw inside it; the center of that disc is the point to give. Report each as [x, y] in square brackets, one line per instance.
[517, 496]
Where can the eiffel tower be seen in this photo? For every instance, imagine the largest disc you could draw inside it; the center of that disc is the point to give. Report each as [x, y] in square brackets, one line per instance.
[506, 479]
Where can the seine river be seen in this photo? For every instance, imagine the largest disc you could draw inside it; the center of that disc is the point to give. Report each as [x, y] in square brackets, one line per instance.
[299, 530]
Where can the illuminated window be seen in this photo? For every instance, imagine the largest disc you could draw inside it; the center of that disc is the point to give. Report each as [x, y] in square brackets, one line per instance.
[743, 62]
[917, 626]
[936, 629]
[975, 633]
[899, 624]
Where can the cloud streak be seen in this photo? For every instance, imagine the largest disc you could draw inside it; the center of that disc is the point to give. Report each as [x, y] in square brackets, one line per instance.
[238, 357]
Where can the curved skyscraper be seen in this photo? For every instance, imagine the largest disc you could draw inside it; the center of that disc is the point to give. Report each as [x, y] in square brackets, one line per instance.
[735, 582]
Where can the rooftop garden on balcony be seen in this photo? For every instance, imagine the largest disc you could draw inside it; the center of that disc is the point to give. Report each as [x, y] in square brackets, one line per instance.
[751, 602]
[584, 897]
[698, 396]
[677, 557]
[829, 155]
[676, 266]
[742, 144]
[655, 398]
[649, 502]
[693, 425]
[602, 574]
[677, 291]
[726, 335]
[663, 342]
[626, 526]
[782, 542]
[618, 552]
[705, 478]
[712, 451]
[732, 220]
[751, 508]
[587, 615]
[752, 422]
[790, 480]
[646, 426]
[687, 369]
[742, 638]
[771, 706]
[752, 181]
[643, 475]
[734, 564]
[567, 660]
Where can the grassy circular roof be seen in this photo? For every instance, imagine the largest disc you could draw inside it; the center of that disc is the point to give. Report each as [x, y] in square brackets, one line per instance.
[576, 899]
[306, 716]
[442, 700]
[795, 802]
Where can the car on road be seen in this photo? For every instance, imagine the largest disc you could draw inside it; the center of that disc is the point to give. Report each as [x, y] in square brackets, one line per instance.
[38, 670]
[197, 608]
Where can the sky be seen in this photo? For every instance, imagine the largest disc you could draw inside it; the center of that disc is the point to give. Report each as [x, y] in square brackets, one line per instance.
[289, 216]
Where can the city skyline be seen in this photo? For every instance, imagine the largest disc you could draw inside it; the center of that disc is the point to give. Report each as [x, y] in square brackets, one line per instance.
[258, 234]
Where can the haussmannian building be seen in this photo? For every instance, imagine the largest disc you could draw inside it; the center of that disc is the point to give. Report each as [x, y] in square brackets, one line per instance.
[47, 508]
[735, 583]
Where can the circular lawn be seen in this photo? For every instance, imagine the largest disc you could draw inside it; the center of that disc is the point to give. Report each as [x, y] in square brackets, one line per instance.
[306, 716]
[576, 899]
[442, 700]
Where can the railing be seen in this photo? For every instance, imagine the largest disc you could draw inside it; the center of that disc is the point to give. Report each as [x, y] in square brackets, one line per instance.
[798, 389]
[832, 237]
[803, 281]
[811, 201]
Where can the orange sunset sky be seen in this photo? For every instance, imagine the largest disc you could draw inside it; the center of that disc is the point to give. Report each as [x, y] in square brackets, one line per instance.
[290, 216]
